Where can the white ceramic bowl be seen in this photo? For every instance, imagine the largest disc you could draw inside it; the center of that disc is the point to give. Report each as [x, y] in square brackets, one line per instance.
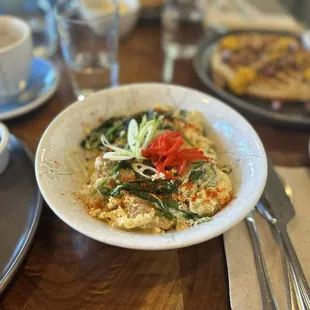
[4, 150]
[237, 143]
[99, 21]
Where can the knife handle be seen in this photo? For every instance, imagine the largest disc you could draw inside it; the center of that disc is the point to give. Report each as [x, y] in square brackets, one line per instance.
[295, 264]
[268, 298]
[293, 292]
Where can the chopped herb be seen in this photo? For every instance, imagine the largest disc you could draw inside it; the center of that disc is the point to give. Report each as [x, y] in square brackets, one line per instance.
[188, 141]
[160, 186]
[205, 172]
[195, 175]
[115, 169]
[120, 165]
[197, 164]
[111, 130]
[127, 186]
[210, 176]
[102, 189]
[157, 202]
[186, 214]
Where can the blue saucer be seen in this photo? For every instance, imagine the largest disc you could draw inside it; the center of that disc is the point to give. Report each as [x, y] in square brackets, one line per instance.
[42, 84]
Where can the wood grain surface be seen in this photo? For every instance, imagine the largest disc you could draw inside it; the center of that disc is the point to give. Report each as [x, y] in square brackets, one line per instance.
[66, 270]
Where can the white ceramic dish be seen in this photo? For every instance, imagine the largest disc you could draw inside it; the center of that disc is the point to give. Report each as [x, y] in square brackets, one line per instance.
[99, 20]
[16, 44]
[4, 150]
[237, 143]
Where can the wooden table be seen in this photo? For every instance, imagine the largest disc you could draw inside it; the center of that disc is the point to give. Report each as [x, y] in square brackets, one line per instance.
[66, 270]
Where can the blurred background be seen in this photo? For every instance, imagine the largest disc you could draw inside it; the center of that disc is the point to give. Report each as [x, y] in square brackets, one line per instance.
[92, 35]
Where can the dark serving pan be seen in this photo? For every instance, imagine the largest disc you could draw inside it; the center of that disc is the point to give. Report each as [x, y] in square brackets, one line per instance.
[20, 209]
[290, 115]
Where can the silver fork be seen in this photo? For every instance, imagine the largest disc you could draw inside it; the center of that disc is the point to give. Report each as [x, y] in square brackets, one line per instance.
[281, 210]
[294, 294]
[268, 299]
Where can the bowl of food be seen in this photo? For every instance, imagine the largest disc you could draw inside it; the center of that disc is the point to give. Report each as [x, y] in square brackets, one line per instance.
[98, 13]
[150, 166]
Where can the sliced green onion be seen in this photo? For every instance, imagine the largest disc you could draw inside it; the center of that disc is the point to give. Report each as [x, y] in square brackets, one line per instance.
[133, 131]
[139, 137]
[121, 151]
[143, 122]
[114, 156]
[141, 168]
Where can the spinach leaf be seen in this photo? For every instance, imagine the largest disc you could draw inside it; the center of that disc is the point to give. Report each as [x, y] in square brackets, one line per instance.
[120, 165]
[112, 128]
[159, 186]
[210, 176]
[186, 214]
[195, 175]
[127, 186]
[157, 202]
[109, 133]
[102, 189]
[197, 164]
[162, 205]
[204, 171]
[197, 171]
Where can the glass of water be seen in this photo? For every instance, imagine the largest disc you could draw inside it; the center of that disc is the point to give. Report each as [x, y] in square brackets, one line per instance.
[182, 28]
[89, 45]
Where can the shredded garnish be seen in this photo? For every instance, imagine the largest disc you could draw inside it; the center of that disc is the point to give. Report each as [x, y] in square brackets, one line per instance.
[139, 137]
[142, 168]
[166, 153]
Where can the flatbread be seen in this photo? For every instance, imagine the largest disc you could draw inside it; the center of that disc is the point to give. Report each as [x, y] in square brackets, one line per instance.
[264, 66]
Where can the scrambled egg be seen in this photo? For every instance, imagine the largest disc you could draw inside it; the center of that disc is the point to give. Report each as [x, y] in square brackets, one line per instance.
[243, 77]
[202, 196]
[230, 42]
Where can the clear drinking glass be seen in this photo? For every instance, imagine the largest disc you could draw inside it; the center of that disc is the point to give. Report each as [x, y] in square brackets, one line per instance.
[39, 15]
[89, 46]
[182, 27]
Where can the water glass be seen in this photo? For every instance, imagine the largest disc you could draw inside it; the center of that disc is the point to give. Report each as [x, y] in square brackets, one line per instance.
[39, 15]
[89, 45]
[182, 27]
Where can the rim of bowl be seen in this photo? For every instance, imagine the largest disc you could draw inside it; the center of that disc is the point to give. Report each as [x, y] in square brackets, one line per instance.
[164, 245]
[4, 137]
[134, 9]
[25, 36]
[59, 16]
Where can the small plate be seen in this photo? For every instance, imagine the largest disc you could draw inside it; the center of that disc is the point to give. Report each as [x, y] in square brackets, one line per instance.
[43, 82]
[20, 210]
[290, 115]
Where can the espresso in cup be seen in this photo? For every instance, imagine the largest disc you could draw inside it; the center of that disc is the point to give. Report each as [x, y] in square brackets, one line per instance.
[15, 55]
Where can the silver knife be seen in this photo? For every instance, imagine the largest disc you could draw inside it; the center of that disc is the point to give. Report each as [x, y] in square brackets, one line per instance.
[294, 296]
[283, 211]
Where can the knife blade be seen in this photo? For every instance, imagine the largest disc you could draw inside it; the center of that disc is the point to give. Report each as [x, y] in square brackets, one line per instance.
[277, 198]
[283, 211]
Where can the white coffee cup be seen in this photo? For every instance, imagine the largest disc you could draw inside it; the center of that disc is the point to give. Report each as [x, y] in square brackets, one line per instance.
[15, 55]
